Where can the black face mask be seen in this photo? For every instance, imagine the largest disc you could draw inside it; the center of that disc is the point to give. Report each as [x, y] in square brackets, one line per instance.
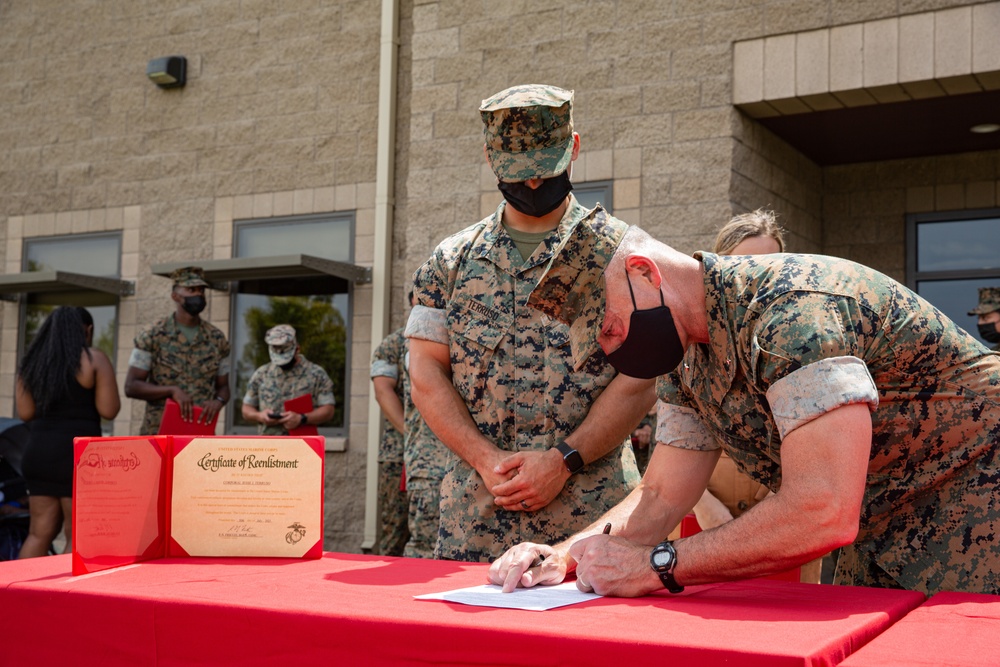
[652, 346]
[989, 333]
[289, 366]
[194, 304]
[538, 202]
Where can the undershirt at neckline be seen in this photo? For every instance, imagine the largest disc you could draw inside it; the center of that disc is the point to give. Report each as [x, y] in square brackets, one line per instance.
[526, 242]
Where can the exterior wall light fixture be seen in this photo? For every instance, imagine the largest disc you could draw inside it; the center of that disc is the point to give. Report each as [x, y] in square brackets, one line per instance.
[168, 72]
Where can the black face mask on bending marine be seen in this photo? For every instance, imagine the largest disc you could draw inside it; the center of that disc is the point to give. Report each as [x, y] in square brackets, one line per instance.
[652, 346]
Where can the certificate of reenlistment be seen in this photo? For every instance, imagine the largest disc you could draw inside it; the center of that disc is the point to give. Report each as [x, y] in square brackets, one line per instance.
[246, 497]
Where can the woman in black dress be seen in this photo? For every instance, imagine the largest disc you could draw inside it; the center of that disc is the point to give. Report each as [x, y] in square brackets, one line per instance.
[64, 388]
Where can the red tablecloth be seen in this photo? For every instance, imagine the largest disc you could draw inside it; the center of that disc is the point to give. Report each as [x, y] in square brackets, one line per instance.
[949, 629]
[359, 610]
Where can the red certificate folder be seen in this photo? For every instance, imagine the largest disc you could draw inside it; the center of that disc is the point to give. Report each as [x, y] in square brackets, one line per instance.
[172, 424]
[138, 499]
[301, 404]
[119, 515]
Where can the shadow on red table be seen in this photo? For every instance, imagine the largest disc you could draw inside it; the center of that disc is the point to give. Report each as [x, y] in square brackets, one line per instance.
[393, 571]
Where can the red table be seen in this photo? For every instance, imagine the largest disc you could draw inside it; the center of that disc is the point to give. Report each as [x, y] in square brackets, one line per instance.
[359, 610]
[949, 629]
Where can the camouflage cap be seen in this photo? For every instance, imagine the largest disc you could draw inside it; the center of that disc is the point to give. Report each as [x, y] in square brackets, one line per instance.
[989, 301]
[281, 343]
[188, 276]
[529, 131]
[572, 288]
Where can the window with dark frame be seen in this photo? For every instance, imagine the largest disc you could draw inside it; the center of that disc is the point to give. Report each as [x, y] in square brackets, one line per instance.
[589, 194]
[92, 254]
[950, 255]
[318, 307]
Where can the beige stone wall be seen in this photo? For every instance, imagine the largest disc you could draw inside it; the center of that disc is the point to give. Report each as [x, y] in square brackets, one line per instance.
[929, 54]
[864, 205]
[654, 92]
[280, 102]
[768, 173]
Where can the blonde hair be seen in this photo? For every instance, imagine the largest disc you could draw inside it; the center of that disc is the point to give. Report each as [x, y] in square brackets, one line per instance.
[748, 225]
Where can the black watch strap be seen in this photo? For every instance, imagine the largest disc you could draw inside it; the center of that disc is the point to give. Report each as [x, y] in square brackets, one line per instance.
[663, 560]
[571, 457]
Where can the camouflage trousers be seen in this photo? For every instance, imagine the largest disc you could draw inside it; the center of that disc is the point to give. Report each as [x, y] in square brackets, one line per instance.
[425, 498]
[474, 528]
[393, 509]
[856, 569]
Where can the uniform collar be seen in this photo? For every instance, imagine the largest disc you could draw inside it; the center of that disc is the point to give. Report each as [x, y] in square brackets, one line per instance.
[710, 368]
[496, 246]
[173, 324]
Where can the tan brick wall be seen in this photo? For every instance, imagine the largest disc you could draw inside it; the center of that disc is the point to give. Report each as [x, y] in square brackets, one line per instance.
[929, 54]
[768, 173]
[865, 205]
[652, 78]
[280, 102]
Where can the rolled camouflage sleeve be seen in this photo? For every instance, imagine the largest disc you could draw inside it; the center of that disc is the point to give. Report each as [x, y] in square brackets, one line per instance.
[142, 354]
[428, 324]
[677, 420]
[807, 357]
[681, 427]
[323, 393]
[140, 359]
[818, 388]
[384, 363]
[382, 368]
[429, 318]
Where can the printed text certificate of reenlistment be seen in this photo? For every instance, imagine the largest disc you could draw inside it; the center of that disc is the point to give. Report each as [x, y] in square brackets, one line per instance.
[246, 497]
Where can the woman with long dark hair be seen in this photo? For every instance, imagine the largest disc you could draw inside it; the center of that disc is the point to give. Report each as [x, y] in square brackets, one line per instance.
[64, 388]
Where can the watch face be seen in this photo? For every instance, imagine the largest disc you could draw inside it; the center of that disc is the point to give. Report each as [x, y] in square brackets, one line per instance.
[662, 558]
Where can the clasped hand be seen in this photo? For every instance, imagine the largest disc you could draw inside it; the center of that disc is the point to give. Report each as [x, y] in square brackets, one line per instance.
[528, 481]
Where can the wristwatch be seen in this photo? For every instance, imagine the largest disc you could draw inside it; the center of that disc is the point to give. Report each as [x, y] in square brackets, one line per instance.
[305, 420]
[571, 457]
[663, 560]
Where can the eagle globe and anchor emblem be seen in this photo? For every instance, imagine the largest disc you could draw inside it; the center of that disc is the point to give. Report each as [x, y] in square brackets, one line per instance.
[295, 533]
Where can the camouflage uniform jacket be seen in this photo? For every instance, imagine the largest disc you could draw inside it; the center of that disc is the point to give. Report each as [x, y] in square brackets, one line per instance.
[172, 360]
[513, 367]
[795, 336]
[387, 361]
[270, 387]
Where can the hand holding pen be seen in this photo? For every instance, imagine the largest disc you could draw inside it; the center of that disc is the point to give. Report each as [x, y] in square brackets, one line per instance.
[580, 583]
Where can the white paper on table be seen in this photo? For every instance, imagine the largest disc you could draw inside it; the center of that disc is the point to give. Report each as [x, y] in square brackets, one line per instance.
[537, 598]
